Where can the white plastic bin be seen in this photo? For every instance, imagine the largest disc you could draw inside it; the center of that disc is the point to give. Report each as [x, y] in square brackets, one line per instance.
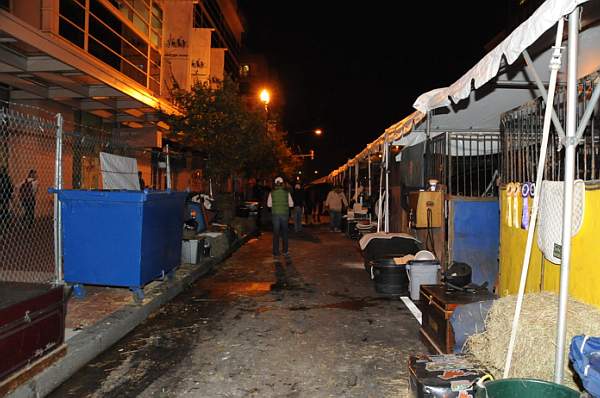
[189, 251]
[423, 272]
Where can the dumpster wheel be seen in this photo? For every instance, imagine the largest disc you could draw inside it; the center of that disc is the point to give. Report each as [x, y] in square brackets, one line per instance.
[79, 291]
[138, 294]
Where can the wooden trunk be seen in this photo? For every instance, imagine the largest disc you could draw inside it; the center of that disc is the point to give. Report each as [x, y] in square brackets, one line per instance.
[437, 306]
[32, 323]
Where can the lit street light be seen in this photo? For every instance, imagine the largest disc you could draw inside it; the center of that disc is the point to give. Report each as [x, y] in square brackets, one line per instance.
[315, 132]
[265, 98]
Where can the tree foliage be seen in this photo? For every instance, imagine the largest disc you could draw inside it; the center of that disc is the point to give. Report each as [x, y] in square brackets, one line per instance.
[234, 138]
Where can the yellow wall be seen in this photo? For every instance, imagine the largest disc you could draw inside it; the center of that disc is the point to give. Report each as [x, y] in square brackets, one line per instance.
[584, 281]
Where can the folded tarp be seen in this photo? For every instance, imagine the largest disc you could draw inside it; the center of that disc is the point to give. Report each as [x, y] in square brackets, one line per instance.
[467, 320]
[584, 354]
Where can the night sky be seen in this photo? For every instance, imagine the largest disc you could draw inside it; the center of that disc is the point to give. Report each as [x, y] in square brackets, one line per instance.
[354, 69]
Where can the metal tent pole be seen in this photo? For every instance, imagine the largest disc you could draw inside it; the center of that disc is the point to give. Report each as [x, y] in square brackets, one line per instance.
[386, 153]
[554, 66]
[426, 172]
[569, 177]
[356, 170]
[349, 182]
[379, 199]
[369, 166]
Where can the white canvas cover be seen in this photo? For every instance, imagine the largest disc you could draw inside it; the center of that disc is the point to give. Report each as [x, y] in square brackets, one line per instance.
[544, 18]
[119, 172]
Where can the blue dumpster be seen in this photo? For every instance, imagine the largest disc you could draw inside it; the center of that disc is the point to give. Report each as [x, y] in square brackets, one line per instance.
[120, 238]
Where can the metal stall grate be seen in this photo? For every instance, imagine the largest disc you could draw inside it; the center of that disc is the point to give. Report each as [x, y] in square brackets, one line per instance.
[522, 134]
[466, 163]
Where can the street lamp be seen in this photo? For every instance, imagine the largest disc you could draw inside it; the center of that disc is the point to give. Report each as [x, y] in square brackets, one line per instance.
[265, 98]
[315, 132]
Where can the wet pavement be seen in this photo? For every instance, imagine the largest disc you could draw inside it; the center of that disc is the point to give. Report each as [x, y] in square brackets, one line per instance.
[308, 326]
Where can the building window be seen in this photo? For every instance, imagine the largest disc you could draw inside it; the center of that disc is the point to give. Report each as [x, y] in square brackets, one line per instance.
[71, 23]
[116, 44]
[244, 70]
[124, 34]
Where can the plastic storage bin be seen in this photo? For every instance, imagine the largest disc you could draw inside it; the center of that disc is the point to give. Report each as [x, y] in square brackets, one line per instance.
[120, 238]
[421, 272]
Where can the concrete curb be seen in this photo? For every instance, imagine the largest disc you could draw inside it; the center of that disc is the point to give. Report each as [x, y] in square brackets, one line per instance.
[92, 341]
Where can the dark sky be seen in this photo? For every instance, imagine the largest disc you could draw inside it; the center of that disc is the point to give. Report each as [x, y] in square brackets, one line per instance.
[355, 68]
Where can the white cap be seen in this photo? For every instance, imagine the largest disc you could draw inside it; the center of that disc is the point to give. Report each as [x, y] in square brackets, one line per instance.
[279, 180]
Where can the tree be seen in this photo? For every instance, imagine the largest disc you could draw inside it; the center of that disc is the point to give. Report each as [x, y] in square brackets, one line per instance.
[216, 122]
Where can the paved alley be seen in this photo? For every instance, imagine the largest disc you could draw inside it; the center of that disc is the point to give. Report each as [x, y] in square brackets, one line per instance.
[308, 326]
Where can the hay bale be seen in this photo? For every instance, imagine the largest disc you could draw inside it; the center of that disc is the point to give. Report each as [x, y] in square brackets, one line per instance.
[533, 356]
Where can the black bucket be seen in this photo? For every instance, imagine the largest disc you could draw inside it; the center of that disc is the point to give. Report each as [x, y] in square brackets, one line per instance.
[388, 277]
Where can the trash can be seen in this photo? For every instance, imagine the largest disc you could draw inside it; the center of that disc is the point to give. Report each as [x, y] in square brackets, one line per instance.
[120, 238]
[524, 388]
[192, 250]
[389, 277]
[421, 272]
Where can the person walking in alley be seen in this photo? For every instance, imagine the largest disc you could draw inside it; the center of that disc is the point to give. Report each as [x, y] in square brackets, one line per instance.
[335, 202]
[27, 192]
[279, 202]
[141, 180]
[299, 198]
[6, 192]
[308, 205]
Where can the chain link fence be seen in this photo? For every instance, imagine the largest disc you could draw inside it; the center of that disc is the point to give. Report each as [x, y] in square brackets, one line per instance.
[27, 171]
[29, 138]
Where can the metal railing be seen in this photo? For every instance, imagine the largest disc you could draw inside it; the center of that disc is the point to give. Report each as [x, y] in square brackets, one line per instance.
[466, 163]
[522, 133]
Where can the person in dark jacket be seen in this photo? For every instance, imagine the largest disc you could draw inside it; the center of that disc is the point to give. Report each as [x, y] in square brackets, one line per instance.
[308, 205]
[27, 194]
[299, 198]
[6, 192]
[279, 202]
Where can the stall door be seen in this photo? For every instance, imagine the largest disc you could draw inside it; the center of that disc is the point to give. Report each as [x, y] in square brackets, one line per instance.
[473, 236]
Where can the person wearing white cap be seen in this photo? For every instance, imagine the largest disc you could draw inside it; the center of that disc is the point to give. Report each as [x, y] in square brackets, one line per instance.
[279, 202]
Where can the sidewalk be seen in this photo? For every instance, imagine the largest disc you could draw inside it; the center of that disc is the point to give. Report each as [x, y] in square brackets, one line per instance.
[106, 315]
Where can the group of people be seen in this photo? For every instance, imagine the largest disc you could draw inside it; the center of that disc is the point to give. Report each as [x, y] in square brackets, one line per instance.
[27, 190]
[302, 203]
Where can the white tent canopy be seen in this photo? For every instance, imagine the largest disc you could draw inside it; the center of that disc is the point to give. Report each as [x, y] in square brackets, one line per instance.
[510, 49]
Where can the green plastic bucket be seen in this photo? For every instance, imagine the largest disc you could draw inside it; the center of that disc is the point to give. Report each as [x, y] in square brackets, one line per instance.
[525, 388]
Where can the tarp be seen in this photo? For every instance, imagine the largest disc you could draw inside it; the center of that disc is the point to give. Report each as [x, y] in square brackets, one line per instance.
[119, 172]
[544, 18]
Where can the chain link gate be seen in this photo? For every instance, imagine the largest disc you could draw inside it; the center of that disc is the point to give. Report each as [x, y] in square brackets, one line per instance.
[27, 172]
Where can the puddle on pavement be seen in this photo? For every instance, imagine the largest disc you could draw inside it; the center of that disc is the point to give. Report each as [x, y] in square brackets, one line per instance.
[227, 289]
